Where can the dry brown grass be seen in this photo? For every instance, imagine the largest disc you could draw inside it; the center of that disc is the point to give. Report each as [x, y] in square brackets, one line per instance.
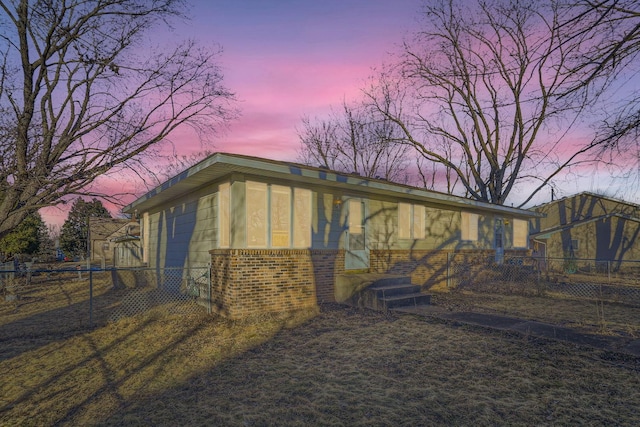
[342, 367]
[587, 315]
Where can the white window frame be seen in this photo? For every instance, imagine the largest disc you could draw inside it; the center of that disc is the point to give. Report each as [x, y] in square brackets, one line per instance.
[469, 226]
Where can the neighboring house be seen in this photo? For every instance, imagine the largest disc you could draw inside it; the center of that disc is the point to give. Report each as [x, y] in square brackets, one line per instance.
[101, 230]
[587, 226]
[127, 250]
[277, 234]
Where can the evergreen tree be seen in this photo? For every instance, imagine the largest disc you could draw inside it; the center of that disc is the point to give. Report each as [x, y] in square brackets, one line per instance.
[26, 238]
[74, 234]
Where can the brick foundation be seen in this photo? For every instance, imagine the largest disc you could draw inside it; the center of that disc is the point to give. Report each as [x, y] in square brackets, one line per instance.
[246, 282]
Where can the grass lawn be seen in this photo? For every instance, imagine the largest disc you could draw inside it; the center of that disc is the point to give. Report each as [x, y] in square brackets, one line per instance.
[341, 366]
[589, 316]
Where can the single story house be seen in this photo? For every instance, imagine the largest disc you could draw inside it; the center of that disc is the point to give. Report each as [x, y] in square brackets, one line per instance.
[101, 233]
[127, 250]
[587, 226]
[277, 234]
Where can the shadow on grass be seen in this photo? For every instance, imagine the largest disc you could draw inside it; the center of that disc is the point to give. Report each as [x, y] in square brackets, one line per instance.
[358, 368]
[88, 376]
[52, 311]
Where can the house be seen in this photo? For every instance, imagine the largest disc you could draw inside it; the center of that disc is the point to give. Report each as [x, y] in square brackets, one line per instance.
[127, 250]
[277, 234]
[100, 232]
[108, 234]
[587, 226]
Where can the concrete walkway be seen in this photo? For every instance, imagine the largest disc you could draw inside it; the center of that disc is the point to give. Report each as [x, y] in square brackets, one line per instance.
[529, 328]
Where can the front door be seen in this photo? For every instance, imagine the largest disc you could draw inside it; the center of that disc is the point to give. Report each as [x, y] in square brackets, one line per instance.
[357, 253]
[499, 243]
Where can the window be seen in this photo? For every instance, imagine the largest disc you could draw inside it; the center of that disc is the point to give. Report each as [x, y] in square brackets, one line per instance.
[520, 233]
[418, 222]
[277, 216]
[280, 216]
[146, 234]
[356, 225]
[224, 227]
[469, 227]
[574, 245]
[411, 221]
[256, 196]
[301, 218]
[355, 217]
[404, 221]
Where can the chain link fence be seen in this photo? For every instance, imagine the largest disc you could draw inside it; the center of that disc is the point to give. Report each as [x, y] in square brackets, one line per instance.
[45, 300]
[615, 281]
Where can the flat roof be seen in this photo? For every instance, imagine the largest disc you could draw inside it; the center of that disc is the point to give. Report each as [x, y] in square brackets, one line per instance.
[218, 165]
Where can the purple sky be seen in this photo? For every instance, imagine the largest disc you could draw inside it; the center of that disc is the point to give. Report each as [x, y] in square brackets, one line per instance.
[289, 58]
[285, 59]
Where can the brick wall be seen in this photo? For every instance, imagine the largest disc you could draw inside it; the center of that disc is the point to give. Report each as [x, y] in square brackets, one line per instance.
[252, 281]
[246, 282]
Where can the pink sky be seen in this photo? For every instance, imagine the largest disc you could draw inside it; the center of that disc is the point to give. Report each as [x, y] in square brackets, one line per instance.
[285, 59]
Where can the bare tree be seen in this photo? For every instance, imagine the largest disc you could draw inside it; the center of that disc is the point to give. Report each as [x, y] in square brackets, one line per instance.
[355, 140]
[612, 30]
[81, 94]
[487, 83]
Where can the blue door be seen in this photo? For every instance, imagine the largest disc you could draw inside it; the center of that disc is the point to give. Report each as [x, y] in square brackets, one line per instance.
[499, 241]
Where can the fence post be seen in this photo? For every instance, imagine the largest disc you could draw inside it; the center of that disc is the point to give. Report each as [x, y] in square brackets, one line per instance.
[90, 298]
[448, 270]
[209, 288]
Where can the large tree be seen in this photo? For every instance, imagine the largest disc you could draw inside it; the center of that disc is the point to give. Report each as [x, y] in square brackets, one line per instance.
[492, 97]
[74, 235]
[356, 139]
[82, 94]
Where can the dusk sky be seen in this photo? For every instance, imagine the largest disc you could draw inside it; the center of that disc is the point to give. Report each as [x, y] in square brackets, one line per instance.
[289, 58]
[285, 59]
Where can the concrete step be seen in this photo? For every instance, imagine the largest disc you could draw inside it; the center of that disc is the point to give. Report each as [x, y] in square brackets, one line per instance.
[391, 281]
[392, 290]
[406, 300]
[379, 291]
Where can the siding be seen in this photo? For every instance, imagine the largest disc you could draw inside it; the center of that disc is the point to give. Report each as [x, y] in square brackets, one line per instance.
[184, 233]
